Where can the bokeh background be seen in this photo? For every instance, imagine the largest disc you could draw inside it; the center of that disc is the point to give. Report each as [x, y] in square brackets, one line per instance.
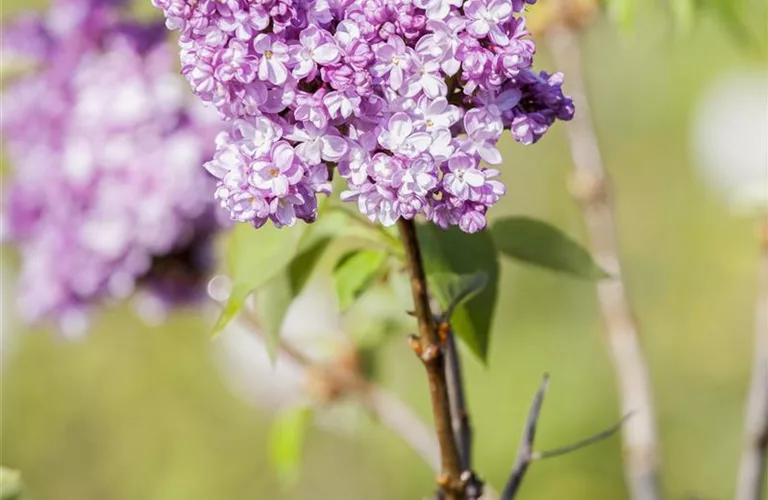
[139, 412]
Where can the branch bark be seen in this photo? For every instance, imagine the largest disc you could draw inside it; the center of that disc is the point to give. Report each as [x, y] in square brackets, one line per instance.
[428, 347]
[752, 469]
[591, 188]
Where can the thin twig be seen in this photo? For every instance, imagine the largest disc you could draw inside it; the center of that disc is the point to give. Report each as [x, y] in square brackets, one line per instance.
[525, 450]
[752, 469]
[381, 404]
[526, 453]
[591, 188]
[462, 427]
[460, 421]
[583, 443]
[428, 346]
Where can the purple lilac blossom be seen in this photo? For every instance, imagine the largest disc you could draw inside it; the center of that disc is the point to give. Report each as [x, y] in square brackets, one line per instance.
[406, 99]
[107, 195]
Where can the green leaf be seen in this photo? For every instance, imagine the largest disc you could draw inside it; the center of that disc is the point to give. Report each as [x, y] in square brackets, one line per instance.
[10, 484]
[237, 297]
[255, 256]
[275, 298]
[273, 301]
[346, 222]
[286, 442]
[355, 273]
[302, 267]
[536, 242]
[455, 252]
[453, 290]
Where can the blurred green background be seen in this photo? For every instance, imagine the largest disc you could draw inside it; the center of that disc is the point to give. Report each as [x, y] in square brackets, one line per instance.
[138, 412]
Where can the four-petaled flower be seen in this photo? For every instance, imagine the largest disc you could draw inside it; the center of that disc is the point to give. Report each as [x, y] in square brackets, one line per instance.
[393, 58]
[399, 137]
[274, 55]
[315, 47]
[279, 172]
[486, 18]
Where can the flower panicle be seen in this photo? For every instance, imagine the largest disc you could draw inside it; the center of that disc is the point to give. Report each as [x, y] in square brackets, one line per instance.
[408, 97]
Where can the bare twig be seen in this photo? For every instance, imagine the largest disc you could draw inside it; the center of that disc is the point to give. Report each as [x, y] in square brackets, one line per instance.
[462, 428]
[752, 470]
[591, 188]
[460, 421]
[526, 453]
[381, 404]
[428, 346]
[610, 431]
[525, 450]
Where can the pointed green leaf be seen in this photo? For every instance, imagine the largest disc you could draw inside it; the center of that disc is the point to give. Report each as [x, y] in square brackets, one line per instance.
[254, 256]
[355, 273]
[304, 264]
[286, 442]
[237, 297]
[453, 290]
[273, 301]
[536, 242]
[452, 251]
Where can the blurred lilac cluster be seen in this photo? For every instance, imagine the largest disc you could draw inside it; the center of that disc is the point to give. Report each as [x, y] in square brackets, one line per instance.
[404, 97]
[107, 190]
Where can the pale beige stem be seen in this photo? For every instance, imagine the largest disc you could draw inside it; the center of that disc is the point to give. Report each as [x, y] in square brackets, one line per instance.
[752, 470]
[591, 187]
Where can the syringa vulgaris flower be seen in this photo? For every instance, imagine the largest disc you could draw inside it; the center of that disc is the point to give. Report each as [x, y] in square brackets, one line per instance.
[387, 92]
[107, 196]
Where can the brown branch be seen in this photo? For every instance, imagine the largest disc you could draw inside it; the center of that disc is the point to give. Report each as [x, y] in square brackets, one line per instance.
[754, 455]
[526, 453]
[591, 188]
[427, 345]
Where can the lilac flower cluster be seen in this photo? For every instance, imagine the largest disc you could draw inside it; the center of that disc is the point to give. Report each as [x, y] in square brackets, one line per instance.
[106, 191]
[406, 98]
